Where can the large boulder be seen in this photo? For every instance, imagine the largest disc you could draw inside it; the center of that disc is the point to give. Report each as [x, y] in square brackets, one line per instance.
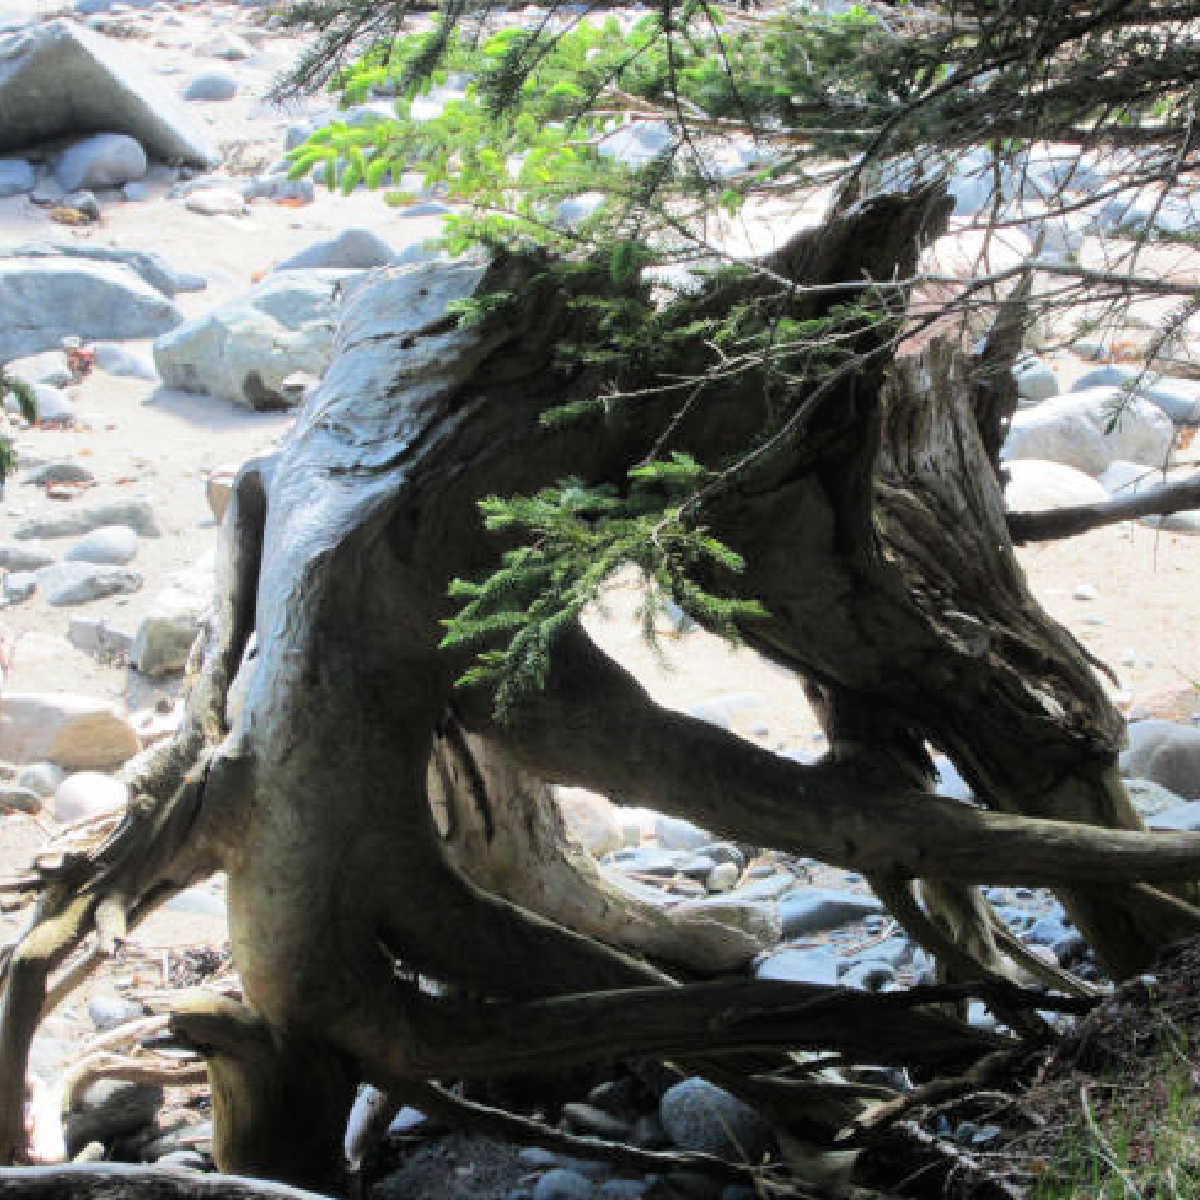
[59, 78]
[151, 267]
[43, 300]
[77, 733]
[244, 350]
[1088, 430]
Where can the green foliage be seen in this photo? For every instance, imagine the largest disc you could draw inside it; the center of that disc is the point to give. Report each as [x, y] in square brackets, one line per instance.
[27, 403]
[577, 538]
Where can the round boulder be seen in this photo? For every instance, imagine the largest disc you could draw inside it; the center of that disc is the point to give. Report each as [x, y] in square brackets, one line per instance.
[102, 160]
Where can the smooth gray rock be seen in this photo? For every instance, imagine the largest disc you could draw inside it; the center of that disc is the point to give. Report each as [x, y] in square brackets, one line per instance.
[109, 1012]
[137, 514]
[563, 1184]
[244, 350]
[69, 583]
[1036, 380]
[115, 359]
[24, 558]
[53, 406]
[134, 190]
[19, 586]
[1074, 429]
[1150, 798]
[359, 248]
[280, 187]
[110, 545]
[43, 300]
[166, 633]
[799, 966]
[64, 471]
[93, 636]
[108, 1109]
[211, 86]
[813, 910]
[16, 176]
[1184, 817]
[102, 160]
[1165, 753]
[151, 267]
[1178, 398]
[49, 369]
[698, 1115]
[58, 79]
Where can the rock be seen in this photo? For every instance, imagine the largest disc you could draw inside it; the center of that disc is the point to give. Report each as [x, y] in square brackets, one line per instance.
[116, 359]
[165, 636]
[137, 514]
[1150, 798]
[674, 833]
[112, 545]
[228, 46]
[62, 471]
[732, 931]
[134, 190]
[40, 778]
[77, 733]
[53, 407]
[19, 799]
[637, 143]
[352, 248]
[80, 582]
[799, 966]
[813, 910]
[102, 160]
[591, 818]
[243, 351]
[19, 586]
[1073, 429]
[1036, 485]
[88, 794]
[1178, 398]
[151, 267]
[1183, 817]
[1166, 754]
[280, 187]
[94, 637]
[43, 300]
[217, 202]
[52, 72]
[1085, 591]
[697, 1115]
[722, 877]
[16, 176]
[84, 203]
[111, 1108]
[1036, 380]
[48, 369]
[211, 86]
[562, 1184]
[109, 1012]
[24, 558]
[47, 192]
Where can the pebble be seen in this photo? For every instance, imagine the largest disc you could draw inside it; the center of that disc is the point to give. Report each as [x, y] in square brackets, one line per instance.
[61, 471]
[216, 202]
[1085, 591]
[110, 545]
[211, 86]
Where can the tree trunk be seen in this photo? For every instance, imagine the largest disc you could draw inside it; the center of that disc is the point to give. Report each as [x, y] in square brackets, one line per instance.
[874, 534]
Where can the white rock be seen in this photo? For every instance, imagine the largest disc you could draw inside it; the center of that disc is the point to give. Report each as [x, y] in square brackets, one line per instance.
[112, 545]
[1075, 430]
[166, 634]
[69, 583]
[591, 818]
[1036, 380]
[116, 359]
[42, 778]
[74, 732]
[88, 794]
[1035, 486]
[1085, 591]
[217, 202]
[674, 833]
